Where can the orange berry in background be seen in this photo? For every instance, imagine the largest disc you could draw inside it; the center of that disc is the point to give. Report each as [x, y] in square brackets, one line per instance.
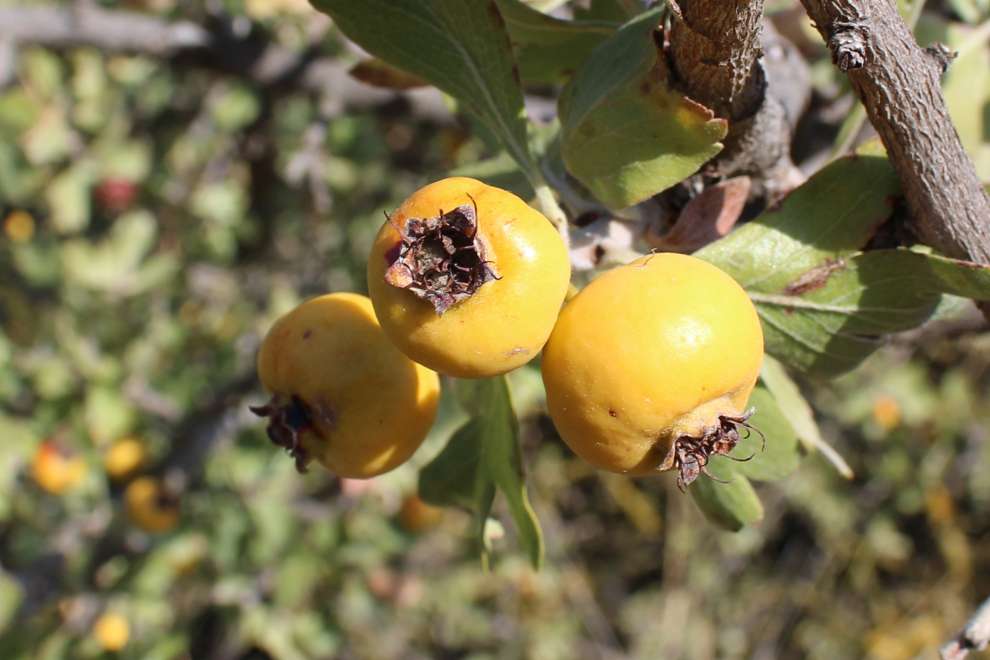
[886, 412]
[123, 458]
[57, 469]
[19, 226]
[111, 632]
[468, 279]
[151, 506]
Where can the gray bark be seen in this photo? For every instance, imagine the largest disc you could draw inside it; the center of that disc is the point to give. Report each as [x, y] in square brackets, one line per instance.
[898, 83]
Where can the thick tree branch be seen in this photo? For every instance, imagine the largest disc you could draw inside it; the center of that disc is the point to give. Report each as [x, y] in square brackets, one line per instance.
[716, 54]
[898, 83]
[715, 45]
[219, 48]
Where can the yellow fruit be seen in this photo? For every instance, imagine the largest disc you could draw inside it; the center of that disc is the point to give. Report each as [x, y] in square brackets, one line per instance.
[111, 632]
[124, 458]
[886, 412]
[56, 469]
[467, 279]
[650, 366]
[151, 506]
[19, 226]
[342, 393]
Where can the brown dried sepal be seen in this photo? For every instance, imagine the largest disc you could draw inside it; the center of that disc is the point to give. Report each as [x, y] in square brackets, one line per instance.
[690, 454]
[287, 419]
[441, 259]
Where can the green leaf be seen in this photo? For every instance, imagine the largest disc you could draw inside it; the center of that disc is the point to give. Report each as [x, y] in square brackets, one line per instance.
[795, 408]
[68, 199]
[11, 597]
[482, 456]
[823, 304]
[456, 477]
[113, 264]
[503, 460]
[461, 46]
[625, 134]
[832, 215]
[547, 48]
[779, 456]
[967, 80]
[733, 504]
[831, 329]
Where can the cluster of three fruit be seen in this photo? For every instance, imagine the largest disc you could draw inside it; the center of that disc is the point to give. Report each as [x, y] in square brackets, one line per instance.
[648, 368]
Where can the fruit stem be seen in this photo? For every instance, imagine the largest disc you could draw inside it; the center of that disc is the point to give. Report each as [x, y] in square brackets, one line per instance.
[550, 208]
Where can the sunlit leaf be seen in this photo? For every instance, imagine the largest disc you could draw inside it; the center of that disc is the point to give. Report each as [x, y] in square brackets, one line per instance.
[461, 46]
[770, 450]
[730, 503]
[626, 135]
[482, 456]
[547, 48]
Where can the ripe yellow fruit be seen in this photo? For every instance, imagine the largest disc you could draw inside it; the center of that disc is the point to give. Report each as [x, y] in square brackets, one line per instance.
[342, 393]
[467, 279]
[111, 631]
[56, 469]
[651, 365]
[19, 226]
[124, 458]
[151, 506]
[886, 412]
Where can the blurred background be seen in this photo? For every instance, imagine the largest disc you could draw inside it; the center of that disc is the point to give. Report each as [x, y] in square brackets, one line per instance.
[174, 175]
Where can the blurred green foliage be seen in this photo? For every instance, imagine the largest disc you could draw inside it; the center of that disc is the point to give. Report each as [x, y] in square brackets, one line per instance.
[157, 217]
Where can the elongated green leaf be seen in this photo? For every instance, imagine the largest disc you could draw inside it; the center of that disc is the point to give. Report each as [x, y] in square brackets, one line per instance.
[456, 476]
[461, 46]
[831, 216]
[732, 504]
[770, 451]
[831, 328]
[793, 405]
[796, 410]
[625, 134]
[547, 48]
[825, 305]
[482, 456]
[503, 461]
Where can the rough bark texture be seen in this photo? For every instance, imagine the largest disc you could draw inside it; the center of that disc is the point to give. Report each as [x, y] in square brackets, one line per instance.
[898, 83]
[716, 53]
[715, 45]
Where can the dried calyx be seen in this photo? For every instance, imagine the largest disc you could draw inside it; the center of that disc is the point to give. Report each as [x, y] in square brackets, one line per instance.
[287, 419]
[441, 259]
[689, 455]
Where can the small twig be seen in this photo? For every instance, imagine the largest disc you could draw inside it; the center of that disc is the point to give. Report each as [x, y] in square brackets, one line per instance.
[551, 209]
[974, 637]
